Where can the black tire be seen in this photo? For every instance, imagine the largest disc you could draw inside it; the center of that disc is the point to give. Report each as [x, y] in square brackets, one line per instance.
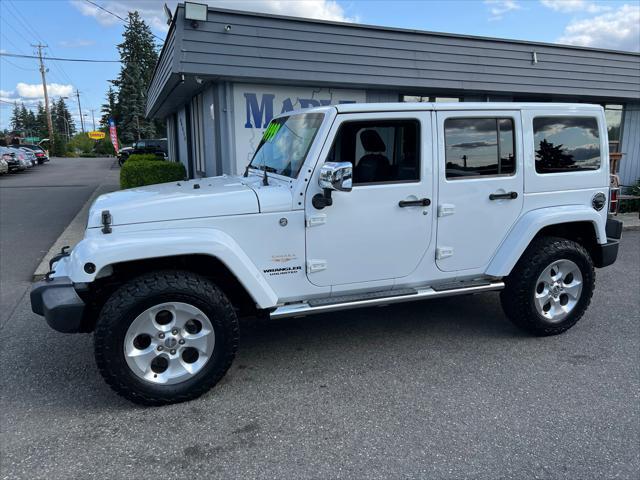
[135, 297]
[517, 298]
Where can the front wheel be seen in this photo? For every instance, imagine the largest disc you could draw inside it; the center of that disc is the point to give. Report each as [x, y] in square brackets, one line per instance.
[165, 337]
[550, 287]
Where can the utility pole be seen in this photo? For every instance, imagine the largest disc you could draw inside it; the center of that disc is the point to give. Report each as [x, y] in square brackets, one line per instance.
[39, 46]
[80, 110]
[93, 118]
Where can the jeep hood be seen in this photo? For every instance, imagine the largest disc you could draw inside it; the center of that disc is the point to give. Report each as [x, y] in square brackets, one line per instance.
[206, 197]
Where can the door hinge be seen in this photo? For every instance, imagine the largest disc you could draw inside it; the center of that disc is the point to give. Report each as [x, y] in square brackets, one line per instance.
[446, 209]
[314, 220]
[314, 266]
[444, 252]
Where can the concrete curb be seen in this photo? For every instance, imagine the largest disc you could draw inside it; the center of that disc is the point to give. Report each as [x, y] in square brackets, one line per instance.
[74, 231]
[630, 221]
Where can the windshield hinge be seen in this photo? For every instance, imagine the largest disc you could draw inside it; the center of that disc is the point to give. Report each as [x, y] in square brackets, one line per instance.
[106, 221]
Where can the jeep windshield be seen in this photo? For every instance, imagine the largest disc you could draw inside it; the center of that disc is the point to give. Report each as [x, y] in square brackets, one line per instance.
[285, 143]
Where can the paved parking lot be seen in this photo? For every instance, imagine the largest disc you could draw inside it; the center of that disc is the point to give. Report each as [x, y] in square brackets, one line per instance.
[441, 389]
[35, 207]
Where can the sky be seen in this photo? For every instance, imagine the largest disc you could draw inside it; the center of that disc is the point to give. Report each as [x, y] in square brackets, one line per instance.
[79, 29]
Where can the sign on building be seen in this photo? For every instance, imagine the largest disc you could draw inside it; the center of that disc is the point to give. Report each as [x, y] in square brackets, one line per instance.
[255, 106]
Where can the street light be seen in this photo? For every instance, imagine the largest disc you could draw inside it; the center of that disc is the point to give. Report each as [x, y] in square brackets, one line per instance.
[66, 125]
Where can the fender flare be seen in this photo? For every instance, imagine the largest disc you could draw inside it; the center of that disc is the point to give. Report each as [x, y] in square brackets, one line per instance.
[525, 229]
[124, 247]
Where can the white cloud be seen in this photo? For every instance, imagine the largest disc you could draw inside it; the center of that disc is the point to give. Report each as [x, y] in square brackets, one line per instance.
[619, 29]
[26, 90]
[78, 42]
[497, 8]
[570, 6]
[152, 12]
[6, 93]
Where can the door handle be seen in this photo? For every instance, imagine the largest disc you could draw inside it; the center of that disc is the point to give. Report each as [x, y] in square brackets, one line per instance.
[423, 202]
[503, 196]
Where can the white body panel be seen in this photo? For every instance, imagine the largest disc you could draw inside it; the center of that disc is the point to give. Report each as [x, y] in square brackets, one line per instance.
[283, 250]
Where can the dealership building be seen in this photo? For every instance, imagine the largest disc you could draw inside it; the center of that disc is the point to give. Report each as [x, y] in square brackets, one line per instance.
[222, 75]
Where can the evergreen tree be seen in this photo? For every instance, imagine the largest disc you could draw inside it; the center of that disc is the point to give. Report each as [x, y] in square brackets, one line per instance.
[138, 56]
[41, 122]
[16, 119]
[31, 122]
[62, 120]
[109, 109]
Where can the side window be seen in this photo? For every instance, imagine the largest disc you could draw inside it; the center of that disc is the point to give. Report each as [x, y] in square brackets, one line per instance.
[479, 146]
[566, 144]
[381, 151]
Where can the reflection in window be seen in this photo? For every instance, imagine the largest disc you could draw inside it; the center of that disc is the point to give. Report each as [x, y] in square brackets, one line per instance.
[479, 146]
[566, 144]
[613, 115]
[417, 98]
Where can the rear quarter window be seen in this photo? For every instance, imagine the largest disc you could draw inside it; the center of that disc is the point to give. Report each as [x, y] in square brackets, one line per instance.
[566, 144]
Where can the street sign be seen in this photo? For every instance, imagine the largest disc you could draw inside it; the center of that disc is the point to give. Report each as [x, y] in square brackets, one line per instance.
[31, 139]
[96, 135]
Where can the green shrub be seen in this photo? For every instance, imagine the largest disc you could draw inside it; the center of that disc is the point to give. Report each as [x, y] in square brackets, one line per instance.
[150, 172]
[631, 205]
[80, 142]
[136, 157]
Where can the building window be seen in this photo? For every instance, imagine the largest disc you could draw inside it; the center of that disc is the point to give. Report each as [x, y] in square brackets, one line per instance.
[566, 144]
[414, 98]
[479, 146]
[613, 114]
[381, 151]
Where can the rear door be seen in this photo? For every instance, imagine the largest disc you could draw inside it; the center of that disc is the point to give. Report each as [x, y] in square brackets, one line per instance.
[480, 185]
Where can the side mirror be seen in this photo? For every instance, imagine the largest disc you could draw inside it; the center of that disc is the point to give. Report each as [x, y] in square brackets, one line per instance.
[336, 176]
[333, 176]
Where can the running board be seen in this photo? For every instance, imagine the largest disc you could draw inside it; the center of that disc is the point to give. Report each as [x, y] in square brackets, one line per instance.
[302, 309]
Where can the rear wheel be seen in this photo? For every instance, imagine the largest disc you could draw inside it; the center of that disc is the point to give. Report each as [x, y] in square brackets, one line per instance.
[165, 337]
[550, 288]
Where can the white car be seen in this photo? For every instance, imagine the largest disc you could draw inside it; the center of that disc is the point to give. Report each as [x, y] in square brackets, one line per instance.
[4, 166]
[343, 206]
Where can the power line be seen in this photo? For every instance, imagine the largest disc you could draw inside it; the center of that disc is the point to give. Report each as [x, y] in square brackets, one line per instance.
[59, 59]
[118, 17]
[19, 67]
[64, 77]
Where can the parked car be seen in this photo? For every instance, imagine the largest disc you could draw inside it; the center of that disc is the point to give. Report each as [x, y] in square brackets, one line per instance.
[13, 161]
[4, 166]
[31, 156]
[21, 156]
[39, 152]
[154, 146]
[345, 206]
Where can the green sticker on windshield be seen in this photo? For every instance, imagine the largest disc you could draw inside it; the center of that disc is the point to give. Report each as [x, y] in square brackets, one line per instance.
[271, 131]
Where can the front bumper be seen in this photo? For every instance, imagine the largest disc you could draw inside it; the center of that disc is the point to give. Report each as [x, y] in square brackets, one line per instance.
[58, 302]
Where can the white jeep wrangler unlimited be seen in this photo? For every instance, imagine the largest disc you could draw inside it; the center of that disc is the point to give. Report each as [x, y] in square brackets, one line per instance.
[341, 207]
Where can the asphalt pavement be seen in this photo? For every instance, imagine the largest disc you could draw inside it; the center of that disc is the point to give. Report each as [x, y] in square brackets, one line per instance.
[445, 389]
[35, 207]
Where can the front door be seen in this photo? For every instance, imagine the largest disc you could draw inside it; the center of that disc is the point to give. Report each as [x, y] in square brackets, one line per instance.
[480, 185]
[381, 229]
